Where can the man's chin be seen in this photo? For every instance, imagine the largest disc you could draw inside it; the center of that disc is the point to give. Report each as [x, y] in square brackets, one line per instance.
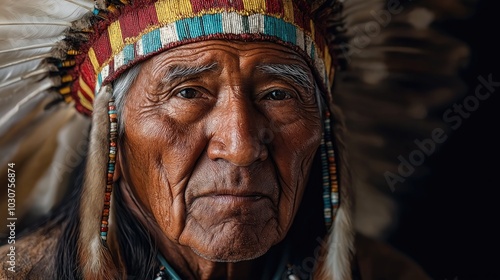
[241, 243]
[232, 256]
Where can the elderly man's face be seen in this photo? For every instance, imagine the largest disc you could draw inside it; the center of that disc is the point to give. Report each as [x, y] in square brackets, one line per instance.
[219, 140]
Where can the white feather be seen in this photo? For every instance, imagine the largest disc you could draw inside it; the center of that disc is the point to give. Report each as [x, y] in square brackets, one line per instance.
[24, 19]
[31, 31]
[30, 23]
[27, 47]
[23, 60]
[28, 32]
[23, 106]
[43, 10]
[24, 77]
[85, 4]
[18, 70]
[22, 55]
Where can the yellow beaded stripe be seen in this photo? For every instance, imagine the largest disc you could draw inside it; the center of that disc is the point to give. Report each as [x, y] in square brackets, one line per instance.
[115, 37]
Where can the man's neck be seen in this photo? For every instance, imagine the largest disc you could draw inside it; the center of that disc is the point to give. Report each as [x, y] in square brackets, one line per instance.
[189, 265]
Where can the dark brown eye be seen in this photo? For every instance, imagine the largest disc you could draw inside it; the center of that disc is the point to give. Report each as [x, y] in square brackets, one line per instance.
[188, 93]
[278, 95]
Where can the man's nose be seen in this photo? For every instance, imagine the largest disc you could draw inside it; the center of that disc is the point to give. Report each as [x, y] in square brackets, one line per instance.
[236, 134]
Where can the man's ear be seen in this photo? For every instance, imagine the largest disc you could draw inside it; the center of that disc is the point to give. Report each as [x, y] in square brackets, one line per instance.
[118, 171]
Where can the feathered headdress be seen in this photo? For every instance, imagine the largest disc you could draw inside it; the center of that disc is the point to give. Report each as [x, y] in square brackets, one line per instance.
[65, 55]
[56, 55]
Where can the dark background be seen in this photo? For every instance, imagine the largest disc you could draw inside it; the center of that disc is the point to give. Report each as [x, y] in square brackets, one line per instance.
[451, 226]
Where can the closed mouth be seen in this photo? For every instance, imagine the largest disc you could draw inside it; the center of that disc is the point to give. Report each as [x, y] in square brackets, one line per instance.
[234, 197]
[242, 198]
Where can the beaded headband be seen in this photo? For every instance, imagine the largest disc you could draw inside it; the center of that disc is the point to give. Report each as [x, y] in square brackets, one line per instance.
[145, 28]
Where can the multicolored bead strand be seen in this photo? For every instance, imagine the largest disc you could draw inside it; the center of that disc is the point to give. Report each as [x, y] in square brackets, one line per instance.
[113, 135]
[332, 167]
[329, 174]
[327, 204]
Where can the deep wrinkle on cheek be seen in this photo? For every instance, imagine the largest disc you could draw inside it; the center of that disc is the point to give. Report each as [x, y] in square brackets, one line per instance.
[179, 158]
[296, 171]
[133, 173]
[291, 194]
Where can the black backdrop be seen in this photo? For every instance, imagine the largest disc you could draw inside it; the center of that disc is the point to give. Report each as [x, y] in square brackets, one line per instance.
[451, 226]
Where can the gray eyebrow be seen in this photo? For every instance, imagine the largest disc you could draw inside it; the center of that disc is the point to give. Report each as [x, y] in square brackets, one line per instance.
[175, 72]
[288, 72]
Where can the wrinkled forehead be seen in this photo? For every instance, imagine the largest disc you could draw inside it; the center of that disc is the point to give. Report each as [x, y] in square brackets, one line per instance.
[232, 56]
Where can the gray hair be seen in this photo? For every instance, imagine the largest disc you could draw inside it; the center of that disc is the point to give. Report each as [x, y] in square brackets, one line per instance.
[121, 86]
[320, 98]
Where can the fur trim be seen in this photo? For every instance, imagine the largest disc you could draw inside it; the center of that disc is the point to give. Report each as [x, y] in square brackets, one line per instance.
[94, 258]
[337, 263]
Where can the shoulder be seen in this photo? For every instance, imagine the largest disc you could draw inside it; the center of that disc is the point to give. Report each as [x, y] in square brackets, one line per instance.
[30, 257]
[377, 260]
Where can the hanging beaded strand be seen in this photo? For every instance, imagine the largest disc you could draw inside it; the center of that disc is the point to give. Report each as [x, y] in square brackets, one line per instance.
[327, 201]
[329, 170]
[113, 134]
